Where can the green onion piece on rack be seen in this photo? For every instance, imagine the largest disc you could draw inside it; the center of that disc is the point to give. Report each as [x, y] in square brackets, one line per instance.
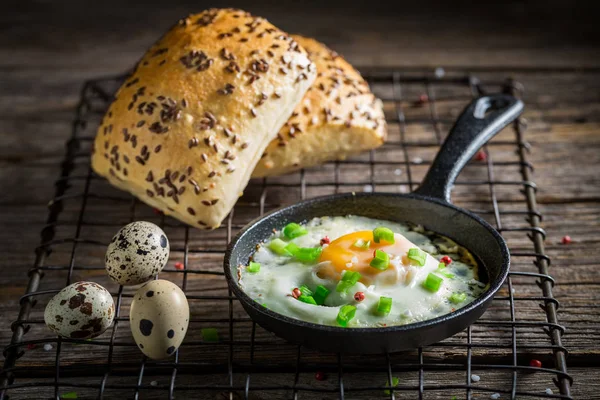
[345, 315]
[294, 230]
[395, 382]
[210, 334]
[381, 261]
[417, 255]
[383, 233]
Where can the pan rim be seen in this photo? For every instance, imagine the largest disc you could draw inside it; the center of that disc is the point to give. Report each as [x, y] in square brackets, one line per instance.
[482, 300]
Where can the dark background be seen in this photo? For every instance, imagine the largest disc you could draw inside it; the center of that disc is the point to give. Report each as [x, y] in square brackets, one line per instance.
[49, 48]
[110, 34]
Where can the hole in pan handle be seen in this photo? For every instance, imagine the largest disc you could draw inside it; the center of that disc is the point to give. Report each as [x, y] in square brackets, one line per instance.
[480, 121]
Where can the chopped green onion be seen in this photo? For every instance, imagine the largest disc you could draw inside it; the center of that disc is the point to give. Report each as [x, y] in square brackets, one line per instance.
[69, 395]
[254, 267]
[291, 248]
[381, 260]
[395, 382]
[384, 306]
[444, 271]
[307, 299]
[458, 297]
[293, 230]
[308, 254]
[210, 334]
[348, 280]
[361, 244]
[417, 255]
[277, 246]
[383, 233]
[433, 282]
[321, 293]
[305, 290]
[345, 314]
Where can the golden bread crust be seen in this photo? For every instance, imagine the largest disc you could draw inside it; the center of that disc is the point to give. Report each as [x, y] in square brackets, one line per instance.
[338, 117]
[188, 126]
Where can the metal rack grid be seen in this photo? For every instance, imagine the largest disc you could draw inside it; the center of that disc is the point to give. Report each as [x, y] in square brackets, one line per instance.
[249, 362]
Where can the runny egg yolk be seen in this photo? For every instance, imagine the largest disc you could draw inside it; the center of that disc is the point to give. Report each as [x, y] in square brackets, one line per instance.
[343, 254]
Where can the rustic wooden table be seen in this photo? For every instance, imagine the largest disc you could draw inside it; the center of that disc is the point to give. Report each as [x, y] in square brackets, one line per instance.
[47, 51]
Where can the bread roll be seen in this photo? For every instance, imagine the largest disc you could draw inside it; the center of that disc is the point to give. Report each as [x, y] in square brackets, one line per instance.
[189, 125]
[338, 117]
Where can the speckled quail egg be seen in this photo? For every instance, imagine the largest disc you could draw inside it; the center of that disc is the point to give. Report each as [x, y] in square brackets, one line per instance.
[82, 310]
[159, 318]
[136, 253]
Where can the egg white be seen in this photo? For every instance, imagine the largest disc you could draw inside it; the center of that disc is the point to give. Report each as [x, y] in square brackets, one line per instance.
[278, 275]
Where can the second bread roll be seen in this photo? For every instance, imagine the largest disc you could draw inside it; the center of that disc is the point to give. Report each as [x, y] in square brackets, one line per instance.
[338, 117]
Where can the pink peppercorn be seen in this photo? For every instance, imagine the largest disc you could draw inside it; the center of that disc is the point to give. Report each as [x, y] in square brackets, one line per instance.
[423, 99]
[535, 363]
[320, 376]
[446, 260]
[481, 156]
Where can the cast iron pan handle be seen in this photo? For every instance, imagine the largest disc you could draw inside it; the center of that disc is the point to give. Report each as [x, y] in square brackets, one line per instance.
[479, 122]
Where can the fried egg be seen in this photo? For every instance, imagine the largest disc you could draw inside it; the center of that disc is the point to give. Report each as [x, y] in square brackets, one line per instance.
[347, 244]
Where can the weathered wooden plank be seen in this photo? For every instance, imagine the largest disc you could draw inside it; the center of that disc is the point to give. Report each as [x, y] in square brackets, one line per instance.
[42, 76]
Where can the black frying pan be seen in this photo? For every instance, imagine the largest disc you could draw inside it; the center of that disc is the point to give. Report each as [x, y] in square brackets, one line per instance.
[429, 206]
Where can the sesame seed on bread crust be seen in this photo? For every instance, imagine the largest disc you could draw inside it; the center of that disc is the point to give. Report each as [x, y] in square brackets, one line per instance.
[189, 125]
[337, 118]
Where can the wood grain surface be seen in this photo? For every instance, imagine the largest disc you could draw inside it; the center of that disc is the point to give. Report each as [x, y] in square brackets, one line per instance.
[47, 51]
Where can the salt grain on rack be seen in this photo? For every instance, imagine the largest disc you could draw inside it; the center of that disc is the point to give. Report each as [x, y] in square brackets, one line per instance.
[48, 347]
[475, 378]
[495, 396]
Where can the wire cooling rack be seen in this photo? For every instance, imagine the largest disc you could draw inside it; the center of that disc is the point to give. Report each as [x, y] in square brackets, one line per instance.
[489, 359]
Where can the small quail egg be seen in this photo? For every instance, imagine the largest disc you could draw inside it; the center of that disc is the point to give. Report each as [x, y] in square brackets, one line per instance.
[159, 318]
[81, 310]
[136, 253]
